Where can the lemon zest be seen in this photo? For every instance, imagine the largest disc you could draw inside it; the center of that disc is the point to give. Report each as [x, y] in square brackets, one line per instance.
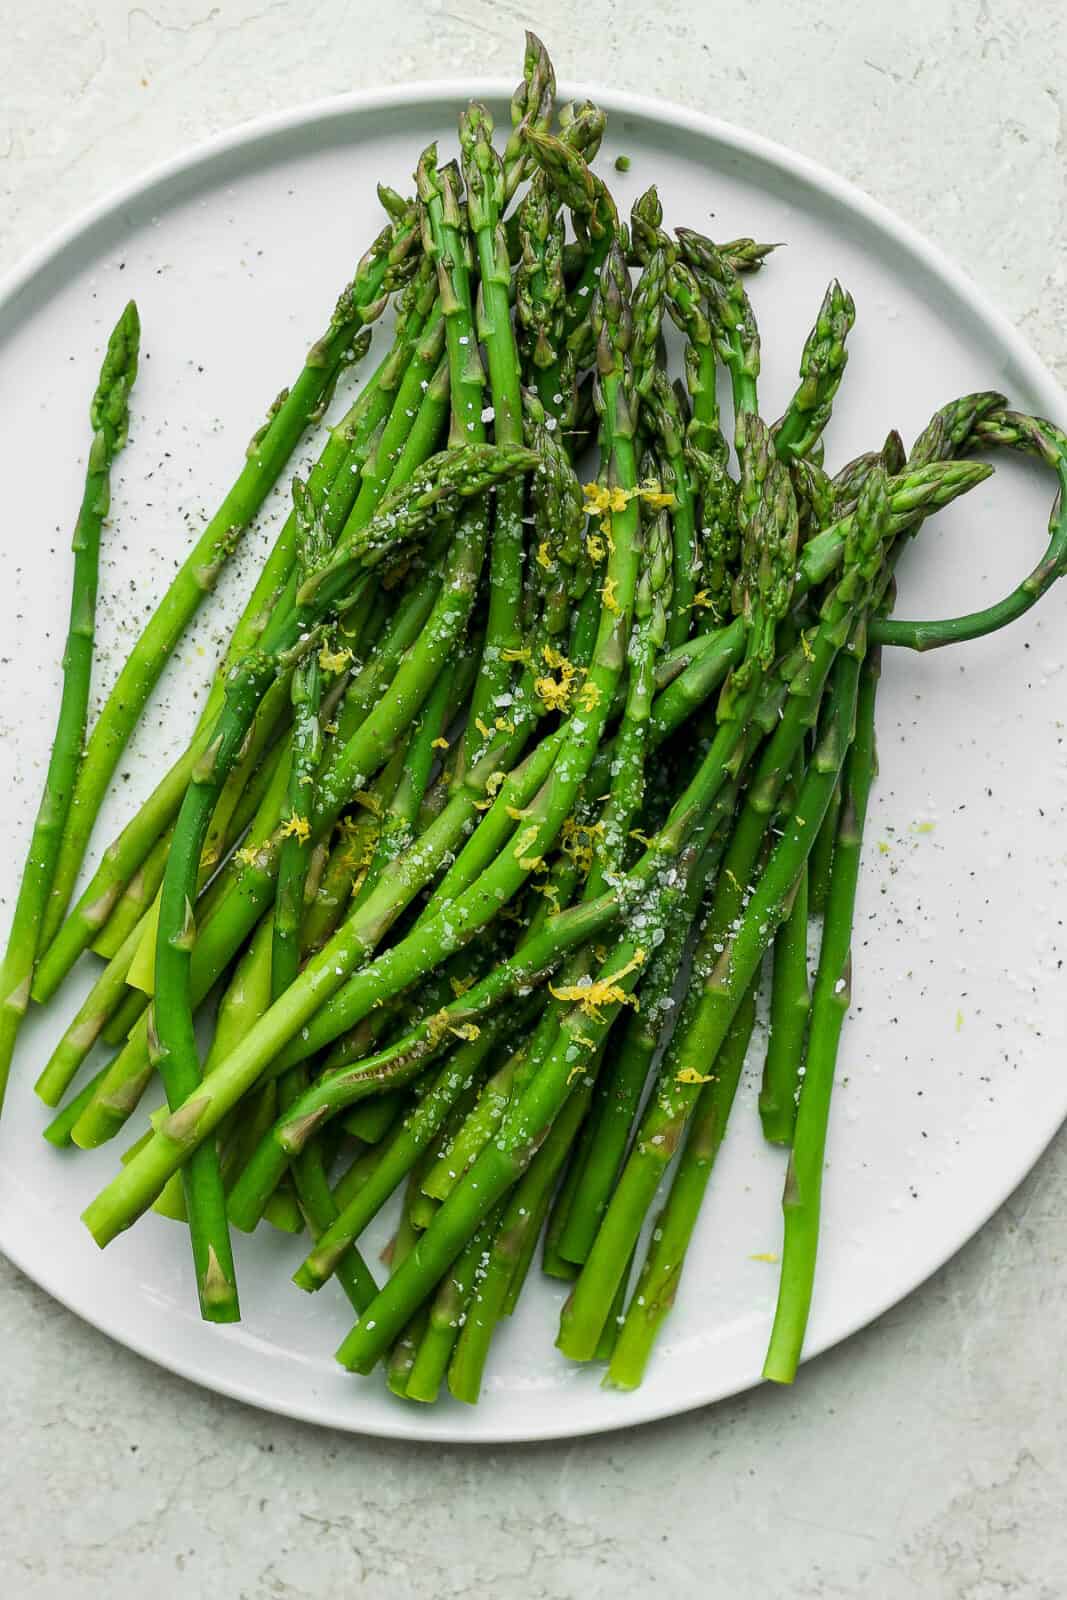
[691, 1075]
[593, 996]
[524, 841]
[334, 660]
[466, 1030]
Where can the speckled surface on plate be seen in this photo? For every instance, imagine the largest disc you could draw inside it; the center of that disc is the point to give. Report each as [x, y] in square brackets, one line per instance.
[950, 1079]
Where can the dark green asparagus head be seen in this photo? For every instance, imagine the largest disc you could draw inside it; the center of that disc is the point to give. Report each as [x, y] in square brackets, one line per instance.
[532, 105]
[814, 492]
[435, 491]
[540, 292]
[655, 583]
[611, 319]
[648, 305]
[732, 317]
[866, 541]
[822, 366]
[949, 431]
[417, 297]
[577, 185]
[718, 534]
[582, 127]
[894, 455]
[685, 303]
[848, 482]
[767, 518]
[313, 544]
[746, 255]
[646, 226]
[109, 410]
[1016, 430]
[482, 168]
[559, 517]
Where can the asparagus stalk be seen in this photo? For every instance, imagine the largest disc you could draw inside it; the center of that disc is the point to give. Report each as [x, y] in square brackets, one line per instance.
[484, 173]
[109, 419]
[512, 1251]
[790, 1004]
[294, 856]
[831, 999]
[657, 1284]
[1043, 439]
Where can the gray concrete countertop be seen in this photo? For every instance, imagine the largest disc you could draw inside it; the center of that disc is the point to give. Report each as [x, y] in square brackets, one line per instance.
[927, 1456]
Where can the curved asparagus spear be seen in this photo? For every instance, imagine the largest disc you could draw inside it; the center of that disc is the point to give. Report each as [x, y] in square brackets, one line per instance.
[109, 418]
[1034, 436]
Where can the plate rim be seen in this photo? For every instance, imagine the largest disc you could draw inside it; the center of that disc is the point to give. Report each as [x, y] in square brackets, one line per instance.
[422, 94]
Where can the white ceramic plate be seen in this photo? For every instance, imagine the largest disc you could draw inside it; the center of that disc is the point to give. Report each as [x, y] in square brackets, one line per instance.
[951, 1077]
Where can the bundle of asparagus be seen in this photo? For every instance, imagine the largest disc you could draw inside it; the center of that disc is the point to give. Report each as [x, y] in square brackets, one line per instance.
[509, 786]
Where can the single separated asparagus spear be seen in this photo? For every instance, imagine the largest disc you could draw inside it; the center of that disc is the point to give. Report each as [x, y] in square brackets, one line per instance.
[109, 417]
[360, 303]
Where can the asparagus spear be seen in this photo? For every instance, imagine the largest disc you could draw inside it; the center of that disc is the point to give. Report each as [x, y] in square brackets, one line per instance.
[790, 1004]
[822, 366]
[294, 856]
[1048, 443]
[657, 1283]
[109, 419]
[831, 999]
[484, 174]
